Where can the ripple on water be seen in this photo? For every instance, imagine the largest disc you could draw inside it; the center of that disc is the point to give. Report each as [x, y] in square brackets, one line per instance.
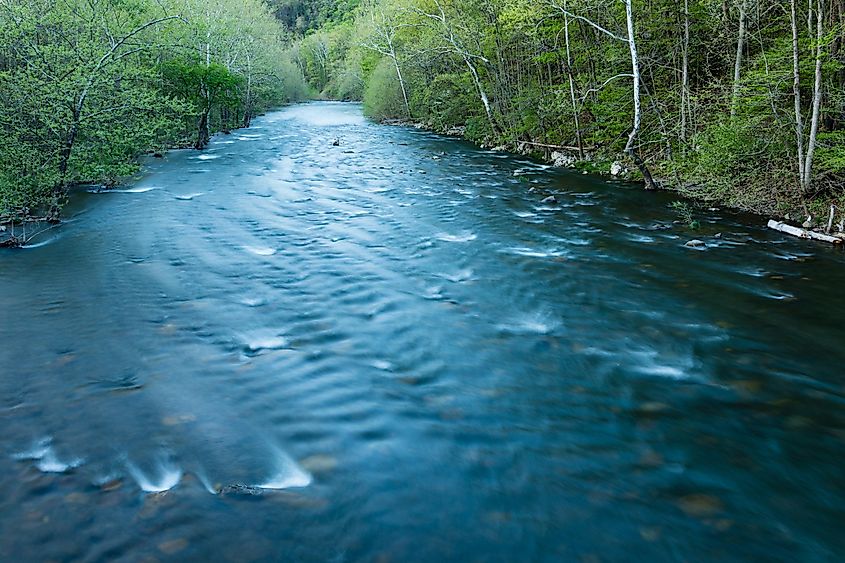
[188, 197]
[140, 190]
[465, 236]
[260, 250]
[535, 252]
[46, 459]
[159, 476]
[460, 276]
[538, 324]
[264, 340]
[288, 474]
[253, 301]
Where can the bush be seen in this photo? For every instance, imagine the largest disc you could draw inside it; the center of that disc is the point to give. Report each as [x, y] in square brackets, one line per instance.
[383, 94]
[447, 101]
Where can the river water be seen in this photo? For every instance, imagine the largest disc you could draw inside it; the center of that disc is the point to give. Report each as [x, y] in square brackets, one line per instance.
[393, 350]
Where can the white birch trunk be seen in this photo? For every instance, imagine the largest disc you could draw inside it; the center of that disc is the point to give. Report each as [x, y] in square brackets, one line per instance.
[579, 142]
[796, 94]
[740, 49]
[817, 100]
[685, 74]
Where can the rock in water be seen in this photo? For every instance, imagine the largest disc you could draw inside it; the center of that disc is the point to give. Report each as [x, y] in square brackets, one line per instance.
[550, 199]
[695, 243]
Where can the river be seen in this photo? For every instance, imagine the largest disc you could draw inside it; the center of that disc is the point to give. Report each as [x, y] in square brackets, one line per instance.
[393, 350]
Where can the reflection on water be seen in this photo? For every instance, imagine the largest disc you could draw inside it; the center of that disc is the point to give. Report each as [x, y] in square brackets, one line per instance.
[393, 349]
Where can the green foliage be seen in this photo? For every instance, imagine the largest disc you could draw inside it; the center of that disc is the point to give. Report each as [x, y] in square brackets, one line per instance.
[540, 70]
[383, 96]
[831, 152]
[447, 101]
[686, 214]
[88, 86]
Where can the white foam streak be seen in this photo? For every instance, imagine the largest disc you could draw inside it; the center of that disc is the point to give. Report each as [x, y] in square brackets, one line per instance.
[47, 459]
[189, 197]
[131, 190]
[260, 251]
[463, 237]
[167, 476]
[289, 474]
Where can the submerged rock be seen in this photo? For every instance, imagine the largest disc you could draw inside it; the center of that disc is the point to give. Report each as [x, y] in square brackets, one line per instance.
[319, 463]
[173, 546]
[700, 505]
[550, 199]
[695, 243]
[239, 489]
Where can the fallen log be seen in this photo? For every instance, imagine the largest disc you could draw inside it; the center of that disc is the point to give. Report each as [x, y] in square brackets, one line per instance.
[802, 233]
[561, 147]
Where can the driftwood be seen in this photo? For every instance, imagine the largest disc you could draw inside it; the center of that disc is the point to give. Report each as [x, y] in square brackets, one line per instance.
[802, 233]
[561, 147]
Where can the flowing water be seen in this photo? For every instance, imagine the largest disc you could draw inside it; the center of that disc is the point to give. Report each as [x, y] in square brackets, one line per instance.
[393, 350]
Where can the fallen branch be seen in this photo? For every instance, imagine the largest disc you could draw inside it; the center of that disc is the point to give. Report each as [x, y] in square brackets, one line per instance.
[802, 233]
[562, 147]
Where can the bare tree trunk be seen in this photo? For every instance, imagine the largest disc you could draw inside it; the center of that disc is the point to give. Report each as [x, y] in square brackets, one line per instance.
[740, 49]
[685, 74]
[488, 109]
[247, 120]
[817, 100]
[575, 111]
[402, 85]
[796, 94]
[630, 146]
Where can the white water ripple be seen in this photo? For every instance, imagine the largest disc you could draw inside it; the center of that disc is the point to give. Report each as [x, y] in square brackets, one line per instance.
[165, 476]
[46, 458]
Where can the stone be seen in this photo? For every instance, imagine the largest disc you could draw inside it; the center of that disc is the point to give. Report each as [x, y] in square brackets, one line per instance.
[550, 199]
[616, 168]
[562, 159]
[650, 534]
[695, 243]
[699, 505]
[173, 546]
[319, 463]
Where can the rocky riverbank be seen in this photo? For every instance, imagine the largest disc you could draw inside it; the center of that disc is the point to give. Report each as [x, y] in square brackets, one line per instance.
[591, 161]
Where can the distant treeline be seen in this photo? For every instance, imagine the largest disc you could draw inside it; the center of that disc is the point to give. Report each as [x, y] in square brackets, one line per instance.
[740, 101]
[86, 86]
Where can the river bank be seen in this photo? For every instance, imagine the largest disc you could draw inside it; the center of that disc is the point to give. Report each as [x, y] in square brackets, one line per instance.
[827, 221]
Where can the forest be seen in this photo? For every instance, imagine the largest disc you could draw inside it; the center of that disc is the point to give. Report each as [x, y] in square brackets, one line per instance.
[740, 102]
[87, 86]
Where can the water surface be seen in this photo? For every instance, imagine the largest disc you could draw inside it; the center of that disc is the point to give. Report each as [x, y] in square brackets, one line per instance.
[393, 350]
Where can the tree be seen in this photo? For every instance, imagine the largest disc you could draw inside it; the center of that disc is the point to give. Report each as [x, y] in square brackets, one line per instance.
[382, 30]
